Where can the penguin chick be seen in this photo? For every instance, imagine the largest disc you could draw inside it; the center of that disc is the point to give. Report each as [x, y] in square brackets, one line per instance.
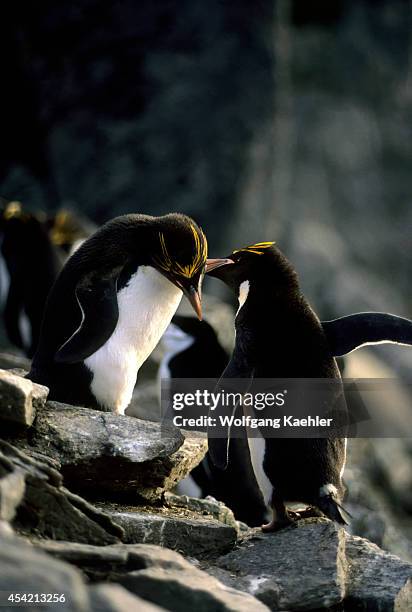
[111, 304]
[279, 336]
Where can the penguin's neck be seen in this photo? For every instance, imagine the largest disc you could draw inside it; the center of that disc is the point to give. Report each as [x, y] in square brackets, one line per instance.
[147, 304]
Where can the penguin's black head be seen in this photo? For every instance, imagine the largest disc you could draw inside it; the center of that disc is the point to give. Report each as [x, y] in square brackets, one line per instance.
[261, 262]
[179, 252]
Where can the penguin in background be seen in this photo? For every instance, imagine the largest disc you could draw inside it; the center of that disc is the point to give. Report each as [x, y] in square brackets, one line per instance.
[69, 229]
[192, 350]
[30, 264]
[279, 336]
[111, 304]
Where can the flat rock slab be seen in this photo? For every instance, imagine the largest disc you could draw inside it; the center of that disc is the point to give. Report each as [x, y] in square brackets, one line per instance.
[104, 454]
[191, 535]
[299, 568]
[20, 398]
[110, 562]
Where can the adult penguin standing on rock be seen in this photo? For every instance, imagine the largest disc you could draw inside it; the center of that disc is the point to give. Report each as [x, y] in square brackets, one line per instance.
[279, 336]
[111, 304]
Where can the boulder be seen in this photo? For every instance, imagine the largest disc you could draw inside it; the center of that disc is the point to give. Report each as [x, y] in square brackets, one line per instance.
[20, 398]
[299, 568]
[376, 580]
[116, 456]
[32, 496]
[26, 570]
[316, 565]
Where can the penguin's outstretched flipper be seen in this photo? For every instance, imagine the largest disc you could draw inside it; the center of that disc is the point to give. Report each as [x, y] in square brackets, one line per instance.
[349, 333]
[99, 316]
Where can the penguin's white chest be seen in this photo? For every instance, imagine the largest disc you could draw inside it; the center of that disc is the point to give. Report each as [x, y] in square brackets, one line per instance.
[146, 306]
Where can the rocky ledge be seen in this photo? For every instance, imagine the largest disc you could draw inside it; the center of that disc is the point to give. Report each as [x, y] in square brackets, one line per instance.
[129, 542]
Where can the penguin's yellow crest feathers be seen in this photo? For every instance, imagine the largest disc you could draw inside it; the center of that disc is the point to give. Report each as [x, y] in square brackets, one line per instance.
[187, 270]
[257, 249]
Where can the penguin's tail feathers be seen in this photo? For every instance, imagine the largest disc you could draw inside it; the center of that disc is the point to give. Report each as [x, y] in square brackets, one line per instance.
[333, 509]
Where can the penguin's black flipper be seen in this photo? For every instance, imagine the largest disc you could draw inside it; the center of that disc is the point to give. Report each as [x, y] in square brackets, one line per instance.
[346, 334]
[334, 510]
[241, 368]
[100, 312]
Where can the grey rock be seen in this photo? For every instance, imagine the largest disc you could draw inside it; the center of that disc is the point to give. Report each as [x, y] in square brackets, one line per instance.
[300, 568]
[109, 562]
[207, 506]
[12, 490]
[157, 574]
[192, 534]
[185, 590]
[114, 598]
[44, 506]
[377, 580]
[376, 513]
[19, 398]
[316, 565]
[26, 570]
[104, 453]
[11, 361]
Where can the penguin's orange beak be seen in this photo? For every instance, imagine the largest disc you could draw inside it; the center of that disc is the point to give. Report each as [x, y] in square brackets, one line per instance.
[213, 264]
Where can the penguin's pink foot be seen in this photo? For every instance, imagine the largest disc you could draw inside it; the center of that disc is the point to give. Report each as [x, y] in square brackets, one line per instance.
[277, 524]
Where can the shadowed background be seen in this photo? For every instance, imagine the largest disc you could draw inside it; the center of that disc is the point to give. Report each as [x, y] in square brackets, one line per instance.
[287, 121]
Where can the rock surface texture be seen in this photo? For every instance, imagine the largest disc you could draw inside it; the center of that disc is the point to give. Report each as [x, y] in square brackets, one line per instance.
[115, 455]
[130, 543]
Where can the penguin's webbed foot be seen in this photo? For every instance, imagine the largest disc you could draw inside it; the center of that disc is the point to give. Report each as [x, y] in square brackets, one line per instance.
[276, 524]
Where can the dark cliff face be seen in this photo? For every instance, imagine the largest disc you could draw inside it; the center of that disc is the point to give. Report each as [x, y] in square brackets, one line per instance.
[264, 120]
